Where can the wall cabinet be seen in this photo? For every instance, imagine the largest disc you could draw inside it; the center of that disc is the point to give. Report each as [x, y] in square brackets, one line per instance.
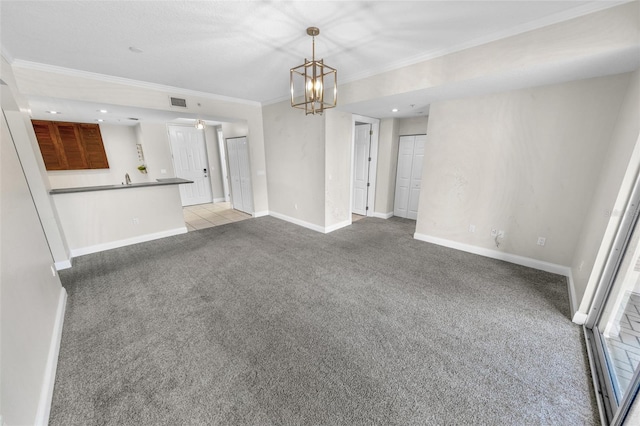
[70, 146]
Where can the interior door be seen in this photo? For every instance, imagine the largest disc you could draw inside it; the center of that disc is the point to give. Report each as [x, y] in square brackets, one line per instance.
[361, 168]
[416, 176]
[190, 162]
[240, 174]
[403, 176]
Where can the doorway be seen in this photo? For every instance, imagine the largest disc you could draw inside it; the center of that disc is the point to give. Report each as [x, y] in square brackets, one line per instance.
[189, 153]
[364, 166]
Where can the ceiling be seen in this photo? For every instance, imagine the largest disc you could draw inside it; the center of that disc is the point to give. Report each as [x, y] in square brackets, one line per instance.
[244, 49]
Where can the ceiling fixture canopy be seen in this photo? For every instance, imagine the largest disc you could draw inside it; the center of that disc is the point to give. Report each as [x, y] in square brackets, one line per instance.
[318, 80]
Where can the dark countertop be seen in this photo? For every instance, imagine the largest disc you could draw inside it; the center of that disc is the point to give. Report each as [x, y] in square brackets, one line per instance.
[159, 182]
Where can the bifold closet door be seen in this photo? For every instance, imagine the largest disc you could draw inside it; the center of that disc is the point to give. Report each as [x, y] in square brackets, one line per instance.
[409, 176]
[240, 174]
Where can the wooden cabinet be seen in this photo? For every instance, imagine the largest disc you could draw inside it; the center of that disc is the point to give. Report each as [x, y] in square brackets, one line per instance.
[70, 146]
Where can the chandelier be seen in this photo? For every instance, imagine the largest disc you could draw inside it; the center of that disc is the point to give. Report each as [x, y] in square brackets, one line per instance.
[314, 77]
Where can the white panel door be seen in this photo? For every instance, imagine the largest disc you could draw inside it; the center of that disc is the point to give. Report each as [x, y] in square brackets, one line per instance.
[403, 176]
[361, 169]
[190, 162]
[240, 174]
[416, 176]
[409, 176]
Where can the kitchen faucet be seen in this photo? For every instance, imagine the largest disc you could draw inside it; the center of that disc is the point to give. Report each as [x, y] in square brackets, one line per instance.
[127, 179]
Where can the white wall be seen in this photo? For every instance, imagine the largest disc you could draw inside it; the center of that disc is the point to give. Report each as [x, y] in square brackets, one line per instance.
[33, 165]
[610, 196]
[295, 156]
[32, 299]
[99, 220]
[338, 142]
[154, 138]
[413, 125]
[120, 145]
[524, 161]
[387, 166]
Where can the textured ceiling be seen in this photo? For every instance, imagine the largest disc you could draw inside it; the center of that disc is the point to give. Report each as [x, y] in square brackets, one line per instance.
[244, 49]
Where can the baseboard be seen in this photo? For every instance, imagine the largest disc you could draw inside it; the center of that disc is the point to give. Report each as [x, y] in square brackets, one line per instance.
[65, 264]
[218, 200]
[261, 214]
[127, 242]
[494, 254]
[383, 215]
[46, 392]
[337, 226]
[298, 222]
[579, 318]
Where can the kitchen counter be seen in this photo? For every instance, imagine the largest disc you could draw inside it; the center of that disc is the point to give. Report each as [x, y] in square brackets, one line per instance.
[159, 182]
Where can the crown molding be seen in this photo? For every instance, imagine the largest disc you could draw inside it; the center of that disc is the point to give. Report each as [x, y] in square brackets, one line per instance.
[566, 15]
[36, 66]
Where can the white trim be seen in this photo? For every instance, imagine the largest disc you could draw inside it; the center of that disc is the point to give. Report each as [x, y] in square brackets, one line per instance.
[579, 318]
[219, 200]
[37, 66]
[261, 214]
[337, 226]
[298, 222]
[46, 391]
[573, 300]
[494, 254]
[383, 215]
[121, 243]
[64, 264]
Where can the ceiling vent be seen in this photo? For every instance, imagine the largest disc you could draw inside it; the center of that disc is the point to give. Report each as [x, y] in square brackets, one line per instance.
[177, 102]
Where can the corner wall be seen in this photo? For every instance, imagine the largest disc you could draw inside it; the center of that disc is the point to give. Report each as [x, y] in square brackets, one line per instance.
[619, 170]
[32, 299]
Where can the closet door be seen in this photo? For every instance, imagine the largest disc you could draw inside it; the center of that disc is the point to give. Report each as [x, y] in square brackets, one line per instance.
[240, 174]
[416, 176]
[403, 176]
[409, 176]
[245, 175]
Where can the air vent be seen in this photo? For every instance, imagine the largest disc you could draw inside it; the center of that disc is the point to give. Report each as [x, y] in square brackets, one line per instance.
[177, 102]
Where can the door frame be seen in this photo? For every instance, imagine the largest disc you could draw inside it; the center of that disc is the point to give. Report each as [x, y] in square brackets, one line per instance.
[222, 149]
[373, 166]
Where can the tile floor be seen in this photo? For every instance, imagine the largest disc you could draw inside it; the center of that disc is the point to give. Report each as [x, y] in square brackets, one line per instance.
[201, 216]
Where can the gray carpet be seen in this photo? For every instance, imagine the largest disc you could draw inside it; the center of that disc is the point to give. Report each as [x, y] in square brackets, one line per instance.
[262, 322]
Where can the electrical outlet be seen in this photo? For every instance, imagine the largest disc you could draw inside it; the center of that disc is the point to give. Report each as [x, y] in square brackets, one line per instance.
[136, 221]
[472, 228]
[494, 232]
[501, 234]
[163, 171]
[542, 241]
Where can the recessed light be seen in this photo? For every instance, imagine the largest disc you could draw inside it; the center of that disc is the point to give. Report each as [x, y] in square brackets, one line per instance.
[53, 112]
[135, 49]
[394, 110]
[100, 120]
[104, 111]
